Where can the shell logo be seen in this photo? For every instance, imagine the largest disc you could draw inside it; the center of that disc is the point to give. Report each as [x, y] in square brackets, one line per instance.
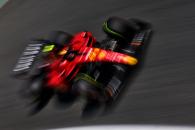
[101, 55]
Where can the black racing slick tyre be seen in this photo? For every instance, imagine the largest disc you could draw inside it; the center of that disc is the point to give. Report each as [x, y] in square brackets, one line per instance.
[87, 90]
[65, 98]
[120, 28]
[37, 93]
[60, 38]
[33, 87]
[42, 100]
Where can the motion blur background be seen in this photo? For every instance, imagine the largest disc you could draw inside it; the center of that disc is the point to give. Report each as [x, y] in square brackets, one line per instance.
[163, 93]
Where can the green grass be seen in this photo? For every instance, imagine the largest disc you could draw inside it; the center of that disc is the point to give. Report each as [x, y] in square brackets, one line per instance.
[2, 2]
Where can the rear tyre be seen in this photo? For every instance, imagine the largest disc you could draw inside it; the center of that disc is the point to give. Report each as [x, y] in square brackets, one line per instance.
[42, 100]
[37, 93]
[33, 87]
[60, 38]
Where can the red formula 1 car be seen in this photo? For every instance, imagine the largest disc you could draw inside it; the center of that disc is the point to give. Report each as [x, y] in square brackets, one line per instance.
[73, 66]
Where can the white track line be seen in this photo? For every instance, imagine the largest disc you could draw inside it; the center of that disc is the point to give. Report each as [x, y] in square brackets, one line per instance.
[128, 127]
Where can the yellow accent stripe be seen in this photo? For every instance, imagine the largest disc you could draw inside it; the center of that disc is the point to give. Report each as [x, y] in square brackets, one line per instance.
[48, 48]
[130, 60]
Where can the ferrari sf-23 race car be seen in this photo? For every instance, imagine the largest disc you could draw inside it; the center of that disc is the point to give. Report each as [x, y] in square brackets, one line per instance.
[71, 66]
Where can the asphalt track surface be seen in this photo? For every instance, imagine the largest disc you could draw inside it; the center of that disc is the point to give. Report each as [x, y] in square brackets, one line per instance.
[163, 93]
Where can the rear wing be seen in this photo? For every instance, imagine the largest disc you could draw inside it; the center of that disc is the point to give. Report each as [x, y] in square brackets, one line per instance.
[30, 56]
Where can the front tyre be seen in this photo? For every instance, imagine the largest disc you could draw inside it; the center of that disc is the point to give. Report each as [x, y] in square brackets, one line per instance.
[120, 28]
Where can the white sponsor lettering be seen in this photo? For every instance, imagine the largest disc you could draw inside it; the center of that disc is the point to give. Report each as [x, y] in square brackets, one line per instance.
[28, 57]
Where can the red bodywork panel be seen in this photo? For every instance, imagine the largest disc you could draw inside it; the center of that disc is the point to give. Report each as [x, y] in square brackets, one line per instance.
[80, 50]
